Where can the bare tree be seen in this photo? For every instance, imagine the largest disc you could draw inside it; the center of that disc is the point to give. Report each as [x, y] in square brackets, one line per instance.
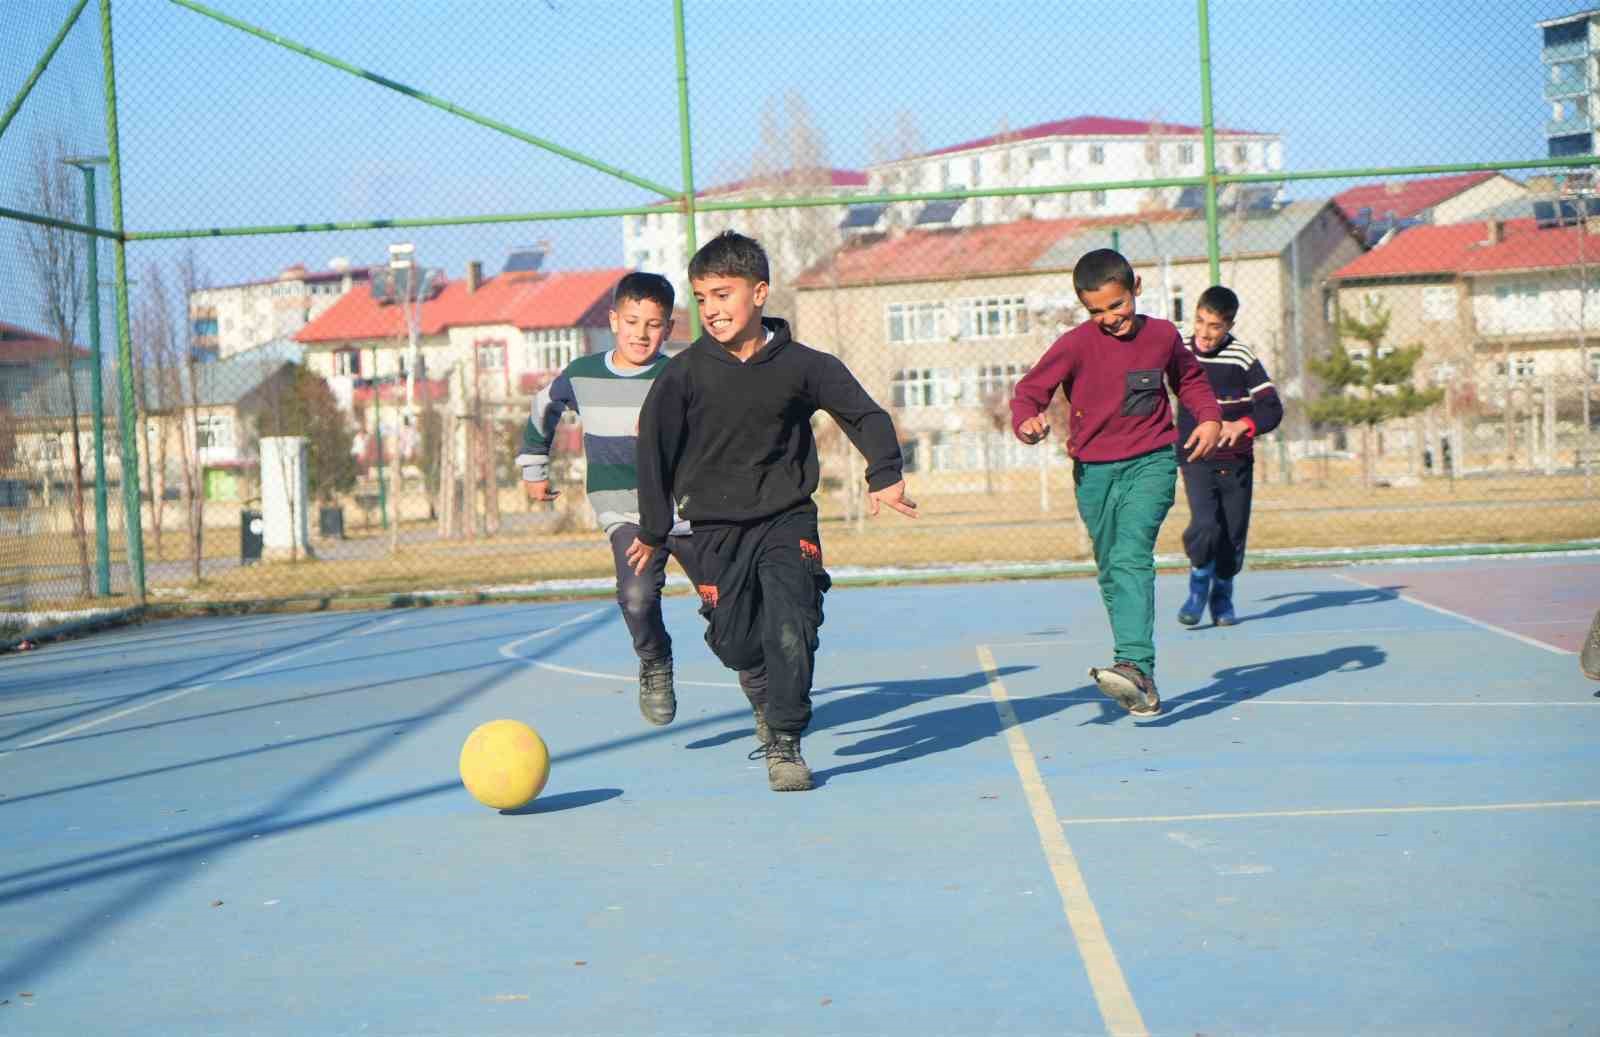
[791, 161]
[190, 280]
[156, 342]
[57, 260]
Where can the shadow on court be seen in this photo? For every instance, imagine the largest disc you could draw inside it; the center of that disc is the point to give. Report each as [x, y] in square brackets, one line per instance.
[1237, 684]
[1310, 601]
[564, 801]
[917, 733]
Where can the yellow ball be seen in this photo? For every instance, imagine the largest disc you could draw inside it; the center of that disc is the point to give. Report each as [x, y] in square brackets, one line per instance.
[504, 764]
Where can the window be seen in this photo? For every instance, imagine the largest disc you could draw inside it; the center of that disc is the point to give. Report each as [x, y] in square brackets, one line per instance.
[347, 362]
[205, 327]
[1522, 367]
[976, 172]
[1152, 152]
[1186, 154]
[1177, 304]
[994, 317]
[915, 388]
[999, 379]
[491, 356]
[214, 430]
[1097, 199]
[1594, 365]
[551, 349]
[1241, 154]
[1097, 154]
[1038, 156]
[1439, 303]
[1519, 307]
[915, 321]
[50, 449]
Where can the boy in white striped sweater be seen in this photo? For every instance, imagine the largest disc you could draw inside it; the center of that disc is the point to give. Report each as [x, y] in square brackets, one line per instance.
[608, 389]
[1219, 486]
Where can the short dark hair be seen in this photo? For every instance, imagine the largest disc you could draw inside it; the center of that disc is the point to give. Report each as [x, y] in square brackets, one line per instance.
[1099, 268]
[644, 287]
[1219, 300]
[730, 254]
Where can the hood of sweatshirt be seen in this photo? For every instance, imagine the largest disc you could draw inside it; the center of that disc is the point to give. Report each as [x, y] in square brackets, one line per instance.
[776, 326]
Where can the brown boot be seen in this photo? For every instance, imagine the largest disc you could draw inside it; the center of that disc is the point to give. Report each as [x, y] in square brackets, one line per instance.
[786, 769]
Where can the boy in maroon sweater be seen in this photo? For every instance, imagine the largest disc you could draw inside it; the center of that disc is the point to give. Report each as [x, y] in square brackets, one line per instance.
[1114, 370]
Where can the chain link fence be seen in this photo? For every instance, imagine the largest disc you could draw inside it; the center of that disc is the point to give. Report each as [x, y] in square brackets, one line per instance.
[333, 251]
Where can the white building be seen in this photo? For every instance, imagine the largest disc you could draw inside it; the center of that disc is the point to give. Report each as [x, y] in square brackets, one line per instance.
[1571, 82]
[230, 319]
[1087, 149]
[793, 238]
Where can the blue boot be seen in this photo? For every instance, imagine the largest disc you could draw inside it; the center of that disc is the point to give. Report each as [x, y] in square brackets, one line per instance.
[1199, 588]
[1222, 603]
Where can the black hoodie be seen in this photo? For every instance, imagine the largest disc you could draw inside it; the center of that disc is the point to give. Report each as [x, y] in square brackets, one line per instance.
[730, 441]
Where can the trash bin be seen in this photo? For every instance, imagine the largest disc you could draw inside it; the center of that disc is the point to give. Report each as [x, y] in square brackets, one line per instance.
[250, 536]
[330, 521]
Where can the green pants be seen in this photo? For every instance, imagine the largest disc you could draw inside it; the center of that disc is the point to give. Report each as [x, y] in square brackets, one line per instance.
[1122, 504]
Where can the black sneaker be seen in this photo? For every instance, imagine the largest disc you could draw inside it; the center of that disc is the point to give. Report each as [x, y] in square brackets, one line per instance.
[1589, 658]
[658, 701]
[786, 769]
[1129, 687]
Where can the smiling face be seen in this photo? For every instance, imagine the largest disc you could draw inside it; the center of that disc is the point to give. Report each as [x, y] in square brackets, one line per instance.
[1111, 306]
[1210, 329]
[640, 327]
[730, 307]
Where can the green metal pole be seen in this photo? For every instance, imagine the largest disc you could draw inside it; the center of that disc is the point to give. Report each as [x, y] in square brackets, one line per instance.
[1209, 129]
[686, 156]
[127, 413]
[102, 534]
[38, 70]
[708, 205]
[51, 221]
[425, 98]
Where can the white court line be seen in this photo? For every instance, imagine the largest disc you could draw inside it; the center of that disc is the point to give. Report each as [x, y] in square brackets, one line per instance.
[190, 689]
[1111, 993]
[1465, 619]
[1472, 808]
[597, 675]
[509, 649]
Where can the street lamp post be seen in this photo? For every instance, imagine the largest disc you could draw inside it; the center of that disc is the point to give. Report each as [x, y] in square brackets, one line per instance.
[102, 536]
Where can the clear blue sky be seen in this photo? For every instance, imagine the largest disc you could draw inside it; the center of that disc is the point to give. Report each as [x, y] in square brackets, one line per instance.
[220, 128]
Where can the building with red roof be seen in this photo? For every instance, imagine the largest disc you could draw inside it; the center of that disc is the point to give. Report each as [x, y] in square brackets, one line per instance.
[500, 329]
[27, 357]
[1380, 209]
[938, 324]
[1507, 309]
[1082, 149]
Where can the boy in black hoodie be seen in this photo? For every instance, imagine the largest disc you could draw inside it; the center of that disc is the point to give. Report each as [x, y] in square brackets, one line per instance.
[725, 434]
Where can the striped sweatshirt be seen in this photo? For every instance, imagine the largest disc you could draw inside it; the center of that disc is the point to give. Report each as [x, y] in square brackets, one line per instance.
[608, 401]
[1244, 392]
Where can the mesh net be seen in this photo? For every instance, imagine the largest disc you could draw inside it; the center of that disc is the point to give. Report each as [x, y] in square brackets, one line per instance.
[371, 232]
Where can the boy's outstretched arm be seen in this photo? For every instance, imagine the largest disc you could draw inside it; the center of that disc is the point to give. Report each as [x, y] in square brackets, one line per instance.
[538, 436]
[870, 429]
[1031, 397]
[1188, 379]
[661, 435]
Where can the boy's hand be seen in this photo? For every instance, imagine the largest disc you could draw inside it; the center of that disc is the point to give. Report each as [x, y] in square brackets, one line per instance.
[540, 490]
[1233, 432]
[1034, 429]
[1203, 440]
[638, 555]
[895, 497]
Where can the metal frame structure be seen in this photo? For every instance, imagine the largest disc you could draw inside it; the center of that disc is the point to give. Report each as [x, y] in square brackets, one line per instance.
[682, 199]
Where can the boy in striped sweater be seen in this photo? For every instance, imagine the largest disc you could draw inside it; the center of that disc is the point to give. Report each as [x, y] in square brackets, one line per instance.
[1219, 487]
[608, 389]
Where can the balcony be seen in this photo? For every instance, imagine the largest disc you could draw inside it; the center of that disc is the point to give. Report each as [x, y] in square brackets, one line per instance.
[1565, 51]
[1571, 124]
[1566, 86]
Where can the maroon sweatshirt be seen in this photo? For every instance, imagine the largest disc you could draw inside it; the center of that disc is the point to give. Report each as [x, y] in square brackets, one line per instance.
[1115, 389]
